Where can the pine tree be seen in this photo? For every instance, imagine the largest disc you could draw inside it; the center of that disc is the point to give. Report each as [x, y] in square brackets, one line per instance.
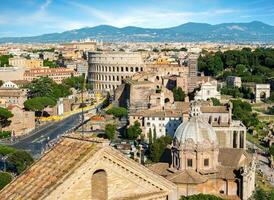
[150, 136]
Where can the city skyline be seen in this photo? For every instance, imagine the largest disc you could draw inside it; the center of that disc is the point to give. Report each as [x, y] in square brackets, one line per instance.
[34, 17]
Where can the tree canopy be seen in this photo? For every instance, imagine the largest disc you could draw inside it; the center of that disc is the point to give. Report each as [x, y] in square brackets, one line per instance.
[201, 197]
[5, 114]
[215, 101]
[76, 82]
[243, 111]
[39, 103]
[117, 112]
[50, 64]
[5, 178]
[178, 94]
[19, 161]
[253, 66]
[46, 87]
[157, 148]
[4, 60]
[134, 131]
[110, 131]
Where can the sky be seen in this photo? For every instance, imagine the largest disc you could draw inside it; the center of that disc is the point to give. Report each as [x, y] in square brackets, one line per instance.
[35, 17]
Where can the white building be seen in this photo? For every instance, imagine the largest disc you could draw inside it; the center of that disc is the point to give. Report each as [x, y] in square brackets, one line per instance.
[165, 125]
[162, 122]
[9, 85]
[208, 90]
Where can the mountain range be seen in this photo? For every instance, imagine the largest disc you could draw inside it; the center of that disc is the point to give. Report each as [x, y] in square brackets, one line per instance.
[189, 32]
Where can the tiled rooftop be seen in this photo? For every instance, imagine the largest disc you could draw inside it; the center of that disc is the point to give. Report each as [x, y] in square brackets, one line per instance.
[55, 165]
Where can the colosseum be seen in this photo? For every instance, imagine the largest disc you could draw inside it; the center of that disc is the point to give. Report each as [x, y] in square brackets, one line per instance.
[108, 69]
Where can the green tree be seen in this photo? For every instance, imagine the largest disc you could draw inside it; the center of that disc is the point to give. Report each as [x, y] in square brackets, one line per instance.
[46, 87]
[157, 148]
[39, 103]
[215, 101]
[201, 197]
[260, 194]
[4, 60]
[134, 131]
[243, 111]
[5, 150]
[110, 131]
[154, 134]
[150, 136]
[5, 178]
[117, 112]
[20, 160]
[50, 64]
[178, 94]
[5, 114]
[76, 82]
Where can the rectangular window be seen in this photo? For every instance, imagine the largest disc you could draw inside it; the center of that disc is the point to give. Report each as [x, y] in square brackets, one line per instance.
[206, 162]
[189, 162]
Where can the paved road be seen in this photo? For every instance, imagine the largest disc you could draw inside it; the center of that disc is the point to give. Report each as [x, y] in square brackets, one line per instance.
[37, 142]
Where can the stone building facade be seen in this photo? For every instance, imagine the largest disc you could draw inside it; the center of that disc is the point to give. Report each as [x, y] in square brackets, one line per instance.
[22, 121]
[13, 96]
[199, 165]
[56, 74]
[88, 168]
[207, 91]
[107, 70]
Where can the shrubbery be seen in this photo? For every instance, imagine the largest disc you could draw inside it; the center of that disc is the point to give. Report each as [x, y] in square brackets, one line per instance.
[5, 134]
[5, 178]
[117, 112]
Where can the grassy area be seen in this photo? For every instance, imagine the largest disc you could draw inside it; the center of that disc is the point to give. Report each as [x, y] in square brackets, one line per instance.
[5, 134]
[263, 183]
[255, 141]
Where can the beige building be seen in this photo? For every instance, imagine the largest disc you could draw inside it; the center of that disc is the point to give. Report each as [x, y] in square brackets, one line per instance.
[27, 63]
[200, 165]
[162, 121]
[56, 74]
[88, 168]
[13, 96]
[11, 73]
[22, 121]
[108, 69]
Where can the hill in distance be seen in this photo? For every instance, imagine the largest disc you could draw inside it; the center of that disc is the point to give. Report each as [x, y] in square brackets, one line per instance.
[189, 32]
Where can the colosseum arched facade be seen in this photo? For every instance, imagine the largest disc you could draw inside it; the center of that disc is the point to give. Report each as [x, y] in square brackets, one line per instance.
[108, 69]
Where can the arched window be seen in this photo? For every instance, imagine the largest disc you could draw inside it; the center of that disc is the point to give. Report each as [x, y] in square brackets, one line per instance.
[99, 188]
[131, 69]
[126, 69]
[136, 69]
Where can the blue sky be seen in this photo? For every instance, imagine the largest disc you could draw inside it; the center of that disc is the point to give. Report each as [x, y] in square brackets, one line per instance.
[34, 17]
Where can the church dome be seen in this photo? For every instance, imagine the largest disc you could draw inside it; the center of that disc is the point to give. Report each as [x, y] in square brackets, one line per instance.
[196, 129]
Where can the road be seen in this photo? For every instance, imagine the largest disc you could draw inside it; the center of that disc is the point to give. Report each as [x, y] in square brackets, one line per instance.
[38, 141]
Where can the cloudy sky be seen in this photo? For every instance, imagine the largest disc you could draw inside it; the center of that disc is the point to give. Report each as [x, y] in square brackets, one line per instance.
[34, 17]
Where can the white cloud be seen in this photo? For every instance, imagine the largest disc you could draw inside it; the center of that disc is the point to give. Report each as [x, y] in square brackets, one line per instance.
[45, 5]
